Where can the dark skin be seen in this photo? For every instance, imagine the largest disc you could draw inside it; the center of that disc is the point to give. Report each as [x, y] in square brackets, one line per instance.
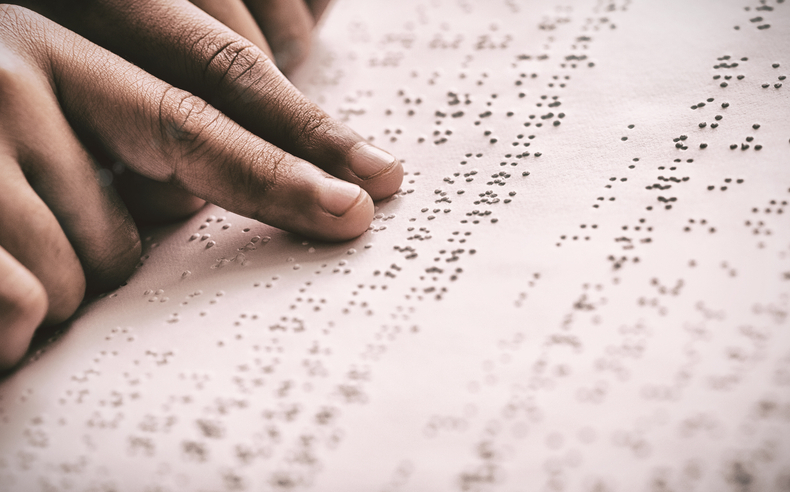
[116, 112]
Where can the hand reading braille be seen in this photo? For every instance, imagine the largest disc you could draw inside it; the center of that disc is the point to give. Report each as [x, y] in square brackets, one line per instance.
[167, 92]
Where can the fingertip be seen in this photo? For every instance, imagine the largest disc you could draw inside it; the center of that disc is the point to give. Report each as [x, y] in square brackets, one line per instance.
[23, 306]
[347, 211]
[387, 183]
[378, 171]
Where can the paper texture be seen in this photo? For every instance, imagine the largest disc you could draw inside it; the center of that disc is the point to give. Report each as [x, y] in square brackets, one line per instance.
[582, 285]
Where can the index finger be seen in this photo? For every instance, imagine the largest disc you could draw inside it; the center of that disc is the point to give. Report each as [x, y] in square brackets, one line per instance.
[186, 47]
[170, 135]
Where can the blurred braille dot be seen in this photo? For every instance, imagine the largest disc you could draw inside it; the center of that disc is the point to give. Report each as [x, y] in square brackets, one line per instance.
[725, 104]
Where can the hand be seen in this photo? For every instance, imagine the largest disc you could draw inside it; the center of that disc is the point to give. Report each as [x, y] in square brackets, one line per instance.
[262, 150]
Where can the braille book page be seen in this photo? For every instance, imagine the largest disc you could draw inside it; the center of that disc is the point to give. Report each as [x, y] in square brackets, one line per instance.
[583, 284]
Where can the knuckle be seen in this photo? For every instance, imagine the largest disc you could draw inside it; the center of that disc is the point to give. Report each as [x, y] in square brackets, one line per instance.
[229, 59]
[184, 121]
[268, 169]
[315, 127]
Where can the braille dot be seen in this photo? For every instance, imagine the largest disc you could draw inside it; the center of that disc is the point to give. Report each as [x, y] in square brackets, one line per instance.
[725, 105]
[623, 138]
[703, 145]
[756, 126]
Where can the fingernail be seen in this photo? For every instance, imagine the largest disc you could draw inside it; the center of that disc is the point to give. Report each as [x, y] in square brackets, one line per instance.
[367, 161]
[338, 196]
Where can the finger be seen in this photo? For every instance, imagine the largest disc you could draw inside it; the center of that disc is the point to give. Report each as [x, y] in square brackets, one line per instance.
[60, 170]
[288, 26]
[193, 51]
[235, 15]
[30, 233]
[169, 135]
[318, 8]
[154, 202]
[148, 201]
[23, 305]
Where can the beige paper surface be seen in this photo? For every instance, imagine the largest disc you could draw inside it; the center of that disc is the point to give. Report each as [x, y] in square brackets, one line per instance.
[581, 286]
